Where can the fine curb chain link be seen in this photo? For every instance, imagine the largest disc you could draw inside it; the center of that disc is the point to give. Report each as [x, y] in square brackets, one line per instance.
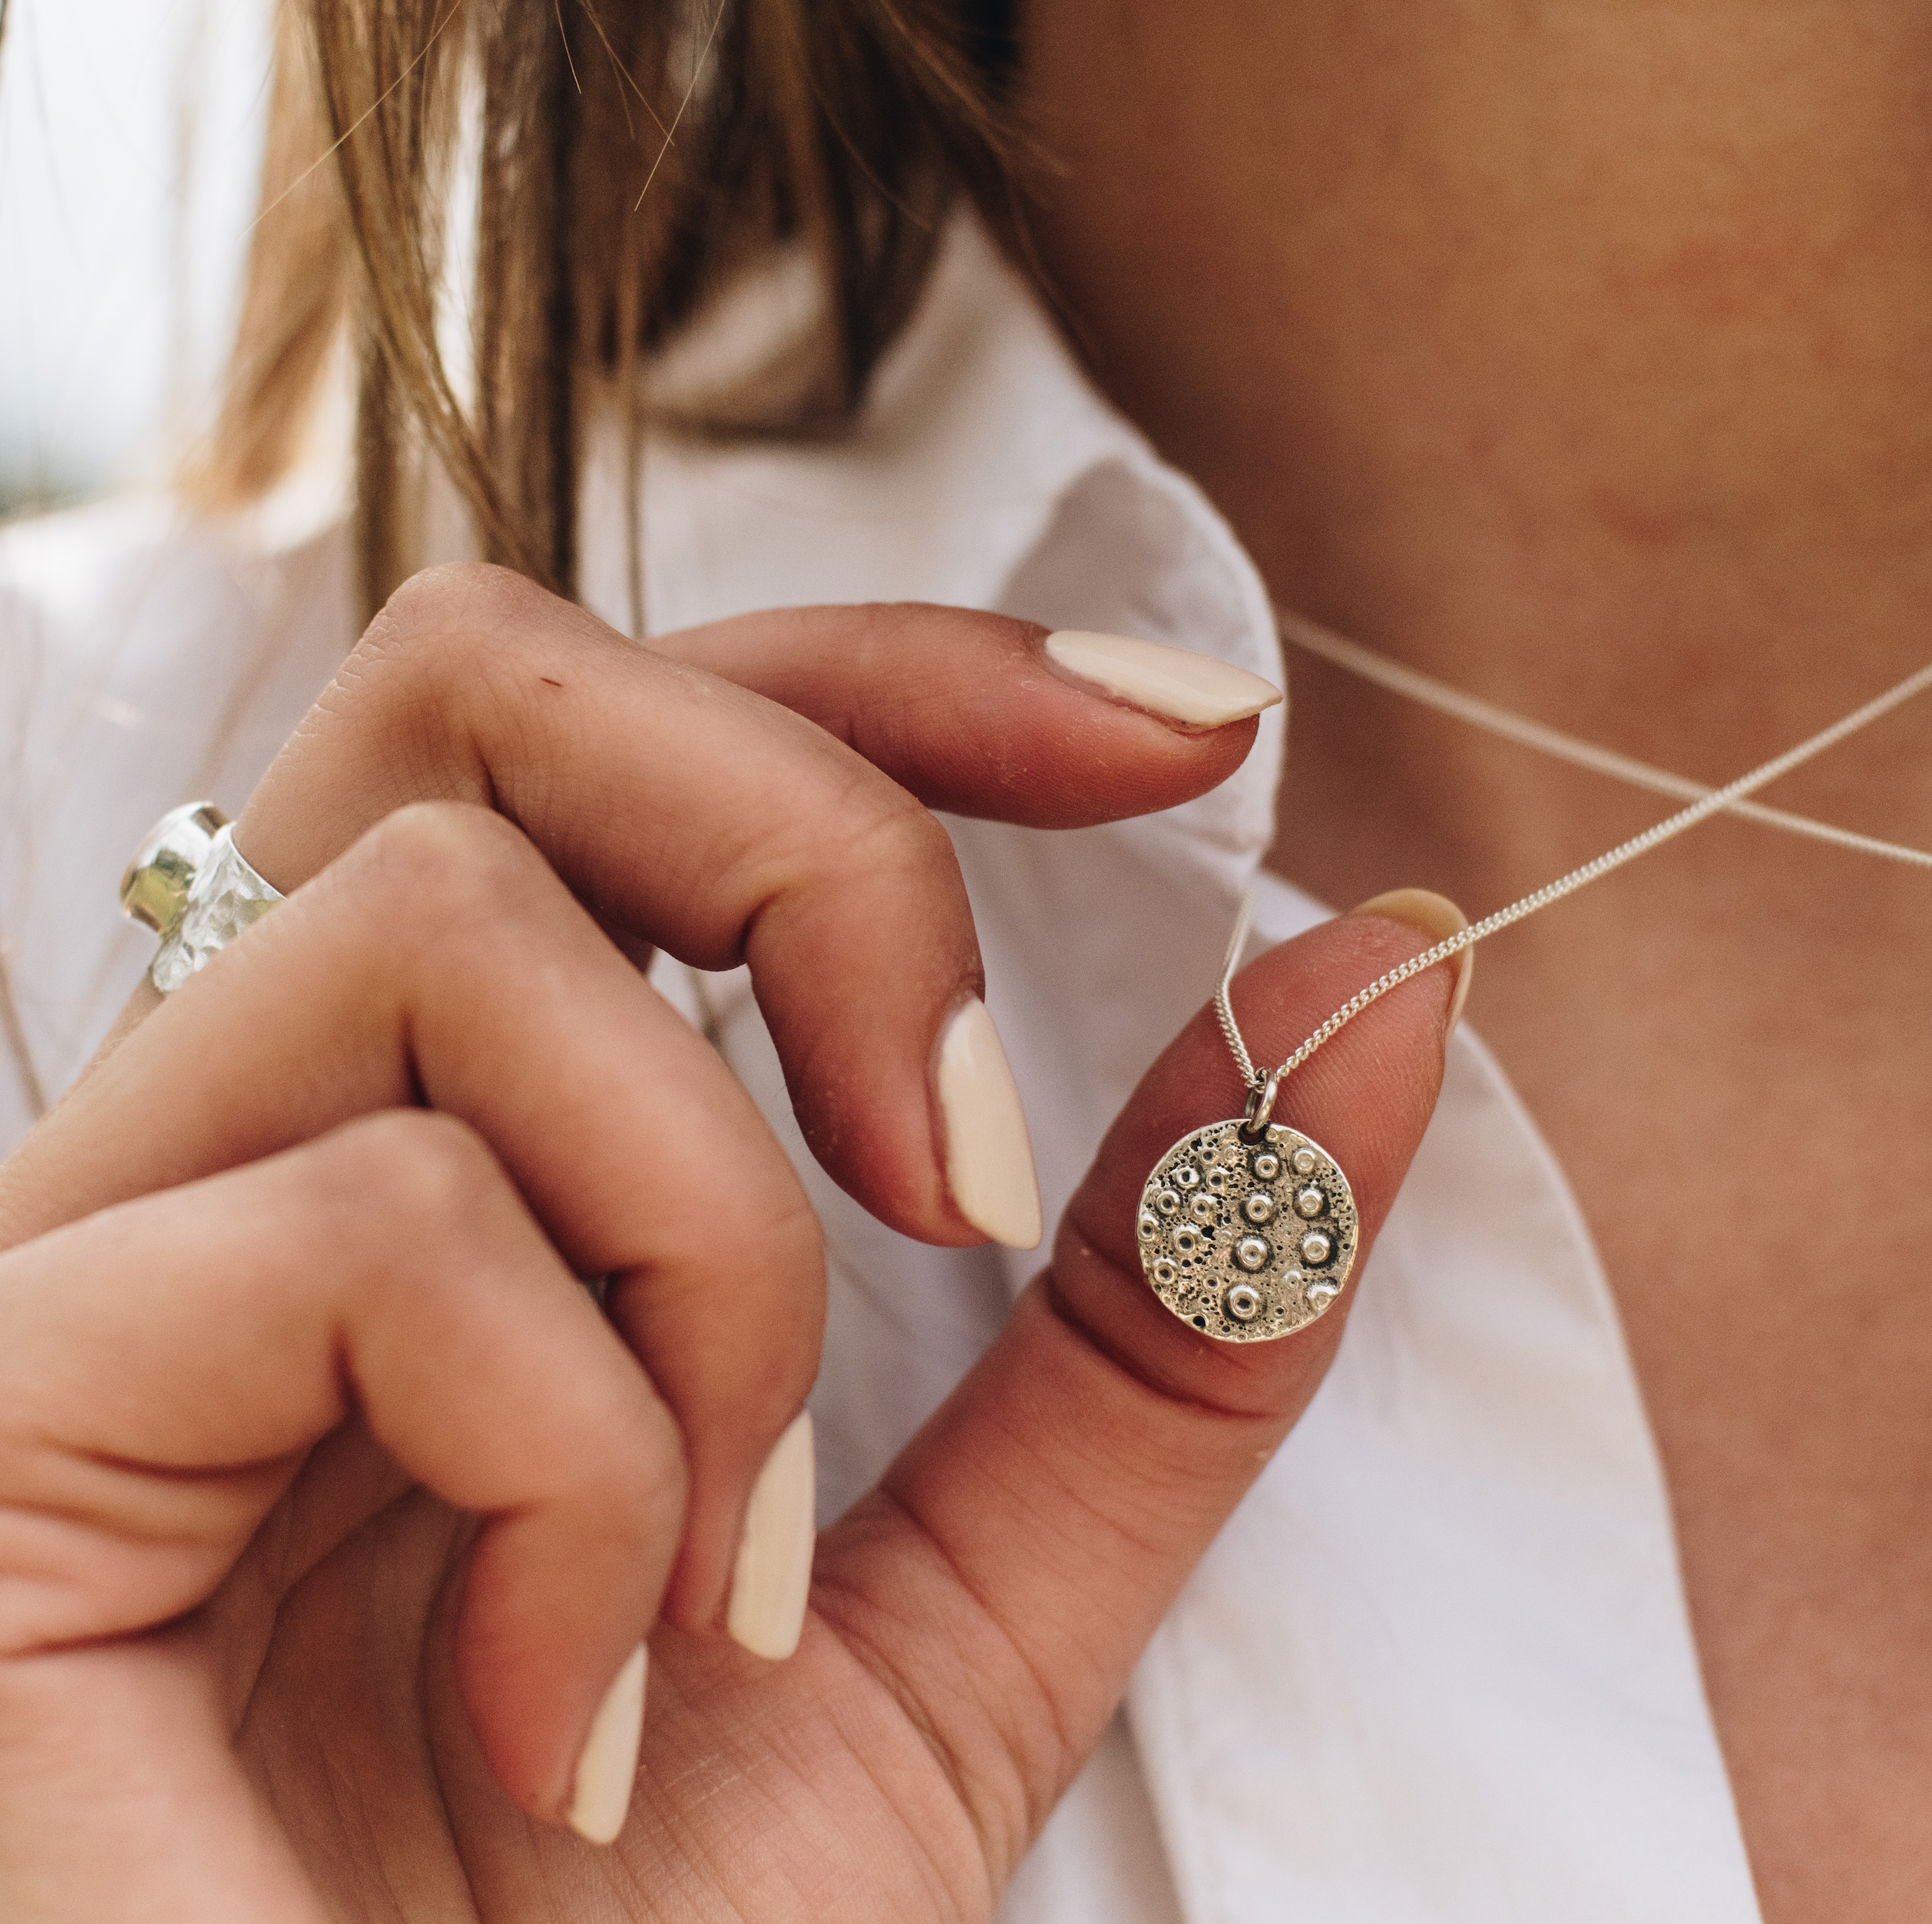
[1639, 844]
[1223, 1008]
[1414, 686]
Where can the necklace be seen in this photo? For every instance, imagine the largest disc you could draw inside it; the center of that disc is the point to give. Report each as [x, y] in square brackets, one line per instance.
[1247, 1228]
[1399, 679]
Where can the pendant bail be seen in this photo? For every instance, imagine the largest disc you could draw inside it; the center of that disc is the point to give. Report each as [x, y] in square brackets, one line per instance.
[1261, 1105]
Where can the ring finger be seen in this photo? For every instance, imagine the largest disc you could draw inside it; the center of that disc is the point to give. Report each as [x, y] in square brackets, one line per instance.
[442, 961]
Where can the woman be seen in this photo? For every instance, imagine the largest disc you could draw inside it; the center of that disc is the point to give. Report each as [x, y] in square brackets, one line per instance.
[1572, 355]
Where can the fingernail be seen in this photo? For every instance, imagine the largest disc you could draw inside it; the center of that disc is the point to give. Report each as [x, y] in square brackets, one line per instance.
[601, 1795]
[774, 1573]
[1195, 689]
[989, 1155]
[1438, 918]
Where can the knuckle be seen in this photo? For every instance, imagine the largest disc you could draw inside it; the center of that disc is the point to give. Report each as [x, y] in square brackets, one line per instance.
[874, 823]
[435, 628]
[453, 594]
[416, 1167]
[894, 835]
[650, 1457]
[433, 863]
[776, 1217]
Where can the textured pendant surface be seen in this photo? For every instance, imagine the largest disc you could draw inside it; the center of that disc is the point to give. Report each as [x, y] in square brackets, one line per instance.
[1247, 1241]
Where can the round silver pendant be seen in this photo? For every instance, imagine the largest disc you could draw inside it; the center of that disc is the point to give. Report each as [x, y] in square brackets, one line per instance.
[1245, 1241]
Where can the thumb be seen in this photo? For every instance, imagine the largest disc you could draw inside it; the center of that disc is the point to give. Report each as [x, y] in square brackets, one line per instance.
[1018, 1556]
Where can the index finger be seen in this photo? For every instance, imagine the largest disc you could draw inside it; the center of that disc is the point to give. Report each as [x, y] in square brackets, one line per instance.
[693, 814]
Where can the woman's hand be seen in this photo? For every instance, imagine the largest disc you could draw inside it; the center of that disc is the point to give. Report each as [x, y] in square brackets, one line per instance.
[331, 1504]
[434, 959]
[494, 774]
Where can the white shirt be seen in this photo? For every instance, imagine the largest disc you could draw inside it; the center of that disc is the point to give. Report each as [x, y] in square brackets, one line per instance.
[1438, 1665]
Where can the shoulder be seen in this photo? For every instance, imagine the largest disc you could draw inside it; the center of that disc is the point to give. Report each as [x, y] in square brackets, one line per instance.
[139, 587]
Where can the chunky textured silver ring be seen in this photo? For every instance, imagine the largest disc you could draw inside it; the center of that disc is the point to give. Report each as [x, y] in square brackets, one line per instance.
[194, 888]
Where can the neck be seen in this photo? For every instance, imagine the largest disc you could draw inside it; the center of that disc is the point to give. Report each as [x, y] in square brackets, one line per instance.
[1577, 351]
[1580, 353]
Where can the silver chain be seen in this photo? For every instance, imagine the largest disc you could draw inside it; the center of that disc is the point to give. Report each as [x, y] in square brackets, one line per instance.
[1399, 679]
[1716, 800]
[1223, 1008]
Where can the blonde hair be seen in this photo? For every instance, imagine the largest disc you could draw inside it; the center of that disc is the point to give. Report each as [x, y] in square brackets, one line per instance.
[632, 162]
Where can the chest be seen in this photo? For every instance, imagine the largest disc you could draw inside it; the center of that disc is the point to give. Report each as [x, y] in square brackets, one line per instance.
[1748, 1130]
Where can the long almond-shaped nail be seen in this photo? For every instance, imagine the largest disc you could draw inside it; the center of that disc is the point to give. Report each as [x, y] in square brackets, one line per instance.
[989, 1154]
[774, 1573]
[1438, 918]
[607, 1769]
[1195, 689]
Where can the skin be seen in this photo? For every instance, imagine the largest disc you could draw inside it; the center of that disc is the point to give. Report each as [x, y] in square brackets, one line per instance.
[330, 1501]
[1577, 353]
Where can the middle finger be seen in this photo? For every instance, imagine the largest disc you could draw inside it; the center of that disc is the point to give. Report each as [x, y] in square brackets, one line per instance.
[442, 961]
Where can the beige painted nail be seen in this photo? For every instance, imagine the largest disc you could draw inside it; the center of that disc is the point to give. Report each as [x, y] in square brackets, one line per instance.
[1195, 689]
[601, 1795]
[773, 1578]
[989, 1154]
[1438, 918]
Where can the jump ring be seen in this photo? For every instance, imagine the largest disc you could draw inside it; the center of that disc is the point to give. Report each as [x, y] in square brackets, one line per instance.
[1261, 1106]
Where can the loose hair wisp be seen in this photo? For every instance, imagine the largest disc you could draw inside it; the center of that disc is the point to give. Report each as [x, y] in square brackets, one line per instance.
[630, 160]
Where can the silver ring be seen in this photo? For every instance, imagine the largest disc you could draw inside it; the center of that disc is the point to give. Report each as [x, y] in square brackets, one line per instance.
[189, 884]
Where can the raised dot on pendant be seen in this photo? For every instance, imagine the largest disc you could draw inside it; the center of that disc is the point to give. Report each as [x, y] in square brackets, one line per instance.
[1277, 1134]
[1187, 1177]
[1310, 1201]
[1186, 1241]
[1304, 1162]
[1203, 1209]
[1321, 1294]
[1244, 1302]
[1268, 1167]
[1316, 1249]
[1217, 1181]
[1259, 1207]
[1167, 1202]
[1166, 1274]
[1252, 1252]
[1149, 1225]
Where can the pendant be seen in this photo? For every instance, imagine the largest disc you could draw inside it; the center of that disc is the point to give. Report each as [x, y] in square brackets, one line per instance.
[1247, 1237]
